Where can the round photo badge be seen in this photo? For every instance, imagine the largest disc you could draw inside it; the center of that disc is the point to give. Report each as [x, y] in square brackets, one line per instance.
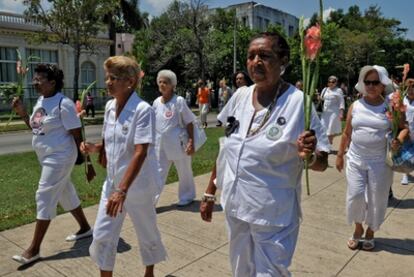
[124, 129]
[274, 132]
[168, 114]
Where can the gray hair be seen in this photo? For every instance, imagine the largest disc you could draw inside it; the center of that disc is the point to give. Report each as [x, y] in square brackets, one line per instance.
[168, 74]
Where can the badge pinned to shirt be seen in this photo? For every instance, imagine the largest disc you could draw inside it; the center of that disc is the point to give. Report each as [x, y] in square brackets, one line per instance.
[274, 132]
[125, 129]
[168, 114]
[281, 121]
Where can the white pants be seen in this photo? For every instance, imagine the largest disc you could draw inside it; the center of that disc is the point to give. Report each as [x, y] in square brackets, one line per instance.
[186, 188]
[55, 187]
[369, 183]
[141, 210]
[203, 108]
[261, 251]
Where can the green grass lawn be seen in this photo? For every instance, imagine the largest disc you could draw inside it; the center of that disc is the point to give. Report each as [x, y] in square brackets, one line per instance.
[19, 176]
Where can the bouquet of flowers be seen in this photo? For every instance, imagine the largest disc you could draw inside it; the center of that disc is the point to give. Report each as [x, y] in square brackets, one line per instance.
[89, 170]
[16, 90]
[311, 44]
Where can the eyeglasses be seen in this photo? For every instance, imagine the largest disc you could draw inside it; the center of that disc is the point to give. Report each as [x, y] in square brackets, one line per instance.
[373, 82]
[331, 82]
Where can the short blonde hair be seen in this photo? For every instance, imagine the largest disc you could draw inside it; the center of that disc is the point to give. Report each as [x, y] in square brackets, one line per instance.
[168, 74]
[123, 67]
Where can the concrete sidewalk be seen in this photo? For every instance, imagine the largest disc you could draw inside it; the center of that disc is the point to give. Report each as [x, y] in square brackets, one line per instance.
[196, 248]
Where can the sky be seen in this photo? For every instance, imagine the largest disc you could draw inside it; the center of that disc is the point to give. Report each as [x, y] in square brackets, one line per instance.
[398, 9]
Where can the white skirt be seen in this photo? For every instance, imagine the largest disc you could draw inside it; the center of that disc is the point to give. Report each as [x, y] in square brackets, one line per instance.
[331, 122]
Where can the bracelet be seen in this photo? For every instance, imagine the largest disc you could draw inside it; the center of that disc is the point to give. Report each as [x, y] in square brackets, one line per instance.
[120, 191]
[207, 197]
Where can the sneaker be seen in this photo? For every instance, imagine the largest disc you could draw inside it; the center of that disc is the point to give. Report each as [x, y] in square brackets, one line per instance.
[404, 179]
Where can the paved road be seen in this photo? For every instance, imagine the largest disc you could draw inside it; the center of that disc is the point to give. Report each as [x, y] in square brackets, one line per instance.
[18, 142]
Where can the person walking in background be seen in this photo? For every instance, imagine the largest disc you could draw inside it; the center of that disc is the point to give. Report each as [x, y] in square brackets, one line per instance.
[409, 104]
[224, 95]
[90, 105]
[299, 85]
[203, 99]
[369, 177]
[174, 122]
[241, 79]
[261, 162]
[133, 180]
[56, 130]
[333, 108]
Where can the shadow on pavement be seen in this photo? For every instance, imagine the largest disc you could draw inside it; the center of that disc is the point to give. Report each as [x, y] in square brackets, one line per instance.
[397, 246]
[79, 249]
[193, 207]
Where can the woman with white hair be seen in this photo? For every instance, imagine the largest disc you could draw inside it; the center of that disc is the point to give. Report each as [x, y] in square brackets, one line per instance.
[369, 177]
[174, 121]
[333, 108]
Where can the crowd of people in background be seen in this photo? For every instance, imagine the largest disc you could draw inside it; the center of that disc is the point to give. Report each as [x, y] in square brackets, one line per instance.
[259, 165]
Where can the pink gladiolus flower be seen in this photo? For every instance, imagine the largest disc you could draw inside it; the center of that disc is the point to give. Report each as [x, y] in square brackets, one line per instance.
[388, 114]
[78, 106]
[19, 67]
[405, 71]
[141, 74]
[313, 42]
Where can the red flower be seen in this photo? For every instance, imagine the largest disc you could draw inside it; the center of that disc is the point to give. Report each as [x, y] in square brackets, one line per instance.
[388, 114]
[78, 106]
[313, 42]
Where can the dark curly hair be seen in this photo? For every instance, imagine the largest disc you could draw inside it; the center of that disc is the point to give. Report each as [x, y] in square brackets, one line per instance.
[280, 45]
[246, 77]
[52, 73]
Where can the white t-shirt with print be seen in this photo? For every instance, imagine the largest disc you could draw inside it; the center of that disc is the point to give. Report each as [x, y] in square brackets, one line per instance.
[50, 126]
[168, 117]
[262, 172]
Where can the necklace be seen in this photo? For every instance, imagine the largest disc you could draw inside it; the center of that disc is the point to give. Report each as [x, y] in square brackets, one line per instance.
[252, 132]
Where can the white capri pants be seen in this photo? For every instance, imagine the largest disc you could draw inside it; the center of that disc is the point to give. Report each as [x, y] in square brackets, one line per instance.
[203, 108]
[55, 187]
[261, 251]
[186, 188]
[140, 207]
[369, 183]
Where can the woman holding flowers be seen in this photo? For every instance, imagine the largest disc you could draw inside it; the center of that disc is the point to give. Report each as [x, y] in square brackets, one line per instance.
[262, 162]
[369, 177]
[132, 180]
[56, 133]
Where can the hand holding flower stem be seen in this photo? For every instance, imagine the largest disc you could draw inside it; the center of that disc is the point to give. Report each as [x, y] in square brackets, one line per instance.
[310, 46]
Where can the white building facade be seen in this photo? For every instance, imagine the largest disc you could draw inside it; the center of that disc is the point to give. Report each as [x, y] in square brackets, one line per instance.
[14, 30]
[258, 16]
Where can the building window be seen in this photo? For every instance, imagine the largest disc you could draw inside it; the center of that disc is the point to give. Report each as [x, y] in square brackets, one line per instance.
[88, 74]
[8, 59]
[267, 22]
[245, 21]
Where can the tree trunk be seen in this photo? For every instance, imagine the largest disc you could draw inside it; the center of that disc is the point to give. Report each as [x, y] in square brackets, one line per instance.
[112, 35]
[76, 76]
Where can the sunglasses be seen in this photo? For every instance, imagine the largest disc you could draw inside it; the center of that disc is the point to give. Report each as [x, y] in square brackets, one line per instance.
[373, 82]
[331, 82]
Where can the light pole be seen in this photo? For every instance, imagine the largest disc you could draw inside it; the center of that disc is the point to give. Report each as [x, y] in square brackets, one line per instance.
[234, 43]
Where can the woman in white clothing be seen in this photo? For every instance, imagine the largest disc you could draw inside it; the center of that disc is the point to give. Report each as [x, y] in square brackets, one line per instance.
[56, 131]
[132, 180]
[333, 108]
[409, 104]
[369, 177]
[174, 125]
[260, 163]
